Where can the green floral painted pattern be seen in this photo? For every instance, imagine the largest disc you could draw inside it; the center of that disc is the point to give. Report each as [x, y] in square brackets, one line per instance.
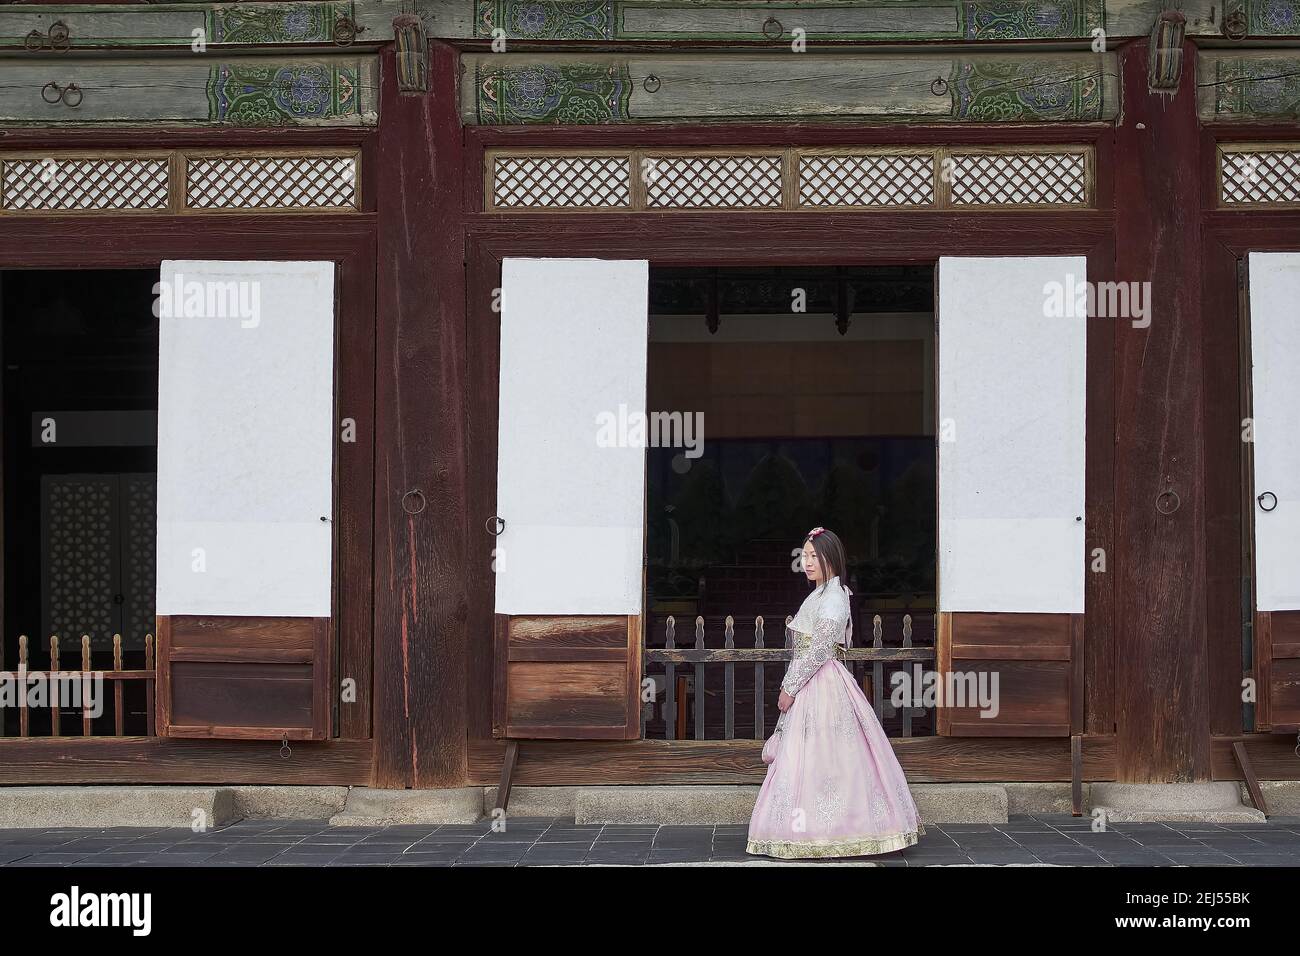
[1032, 90]
[546, 19]
[1257, 86]
[578, 93]
[276, 23]
[279, 95]
[1271, 17]
[1035, 20]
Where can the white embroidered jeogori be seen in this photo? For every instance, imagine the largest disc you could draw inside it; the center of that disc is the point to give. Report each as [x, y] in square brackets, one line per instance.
[824, 616]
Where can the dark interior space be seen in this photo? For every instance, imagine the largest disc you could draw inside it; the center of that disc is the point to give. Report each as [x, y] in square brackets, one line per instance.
[816, 400]
[80, 352]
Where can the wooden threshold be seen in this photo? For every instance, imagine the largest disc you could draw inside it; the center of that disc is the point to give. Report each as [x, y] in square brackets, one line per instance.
[158, 760]
[924, 760]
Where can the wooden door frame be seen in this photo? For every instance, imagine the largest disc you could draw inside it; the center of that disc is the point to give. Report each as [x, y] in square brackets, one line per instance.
[142, 242]
[767, 239]
[1227, 237]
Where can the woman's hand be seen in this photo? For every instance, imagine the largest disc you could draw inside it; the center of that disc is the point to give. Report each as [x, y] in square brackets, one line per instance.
[784, 702]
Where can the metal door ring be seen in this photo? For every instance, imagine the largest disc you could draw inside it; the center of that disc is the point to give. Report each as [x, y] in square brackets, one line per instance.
[58, 93]
[1167, 502]
[492, 524]
[413, 502]
[1267, 494]
[780, 30]
[651, 84]
[72, 89]
[939, 86]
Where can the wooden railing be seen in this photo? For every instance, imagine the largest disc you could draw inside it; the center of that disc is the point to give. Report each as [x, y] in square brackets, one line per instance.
[868, 664]
[118, 677]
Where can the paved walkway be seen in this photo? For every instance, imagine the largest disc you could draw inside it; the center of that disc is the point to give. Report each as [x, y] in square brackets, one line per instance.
[1056, 839]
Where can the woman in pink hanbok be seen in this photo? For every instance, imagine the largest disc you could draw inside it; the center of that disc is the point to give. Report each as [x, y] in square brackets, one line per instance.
[833, 785]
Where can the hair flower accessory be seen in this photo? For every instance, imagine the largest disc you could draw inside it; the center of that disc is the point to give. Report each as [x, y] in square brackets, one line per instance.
[817, 530]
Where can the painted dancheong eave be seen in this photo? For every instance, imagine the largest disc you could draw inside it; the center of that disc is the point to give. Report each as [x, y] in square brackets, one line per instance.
[518, 88]
[338, 90]
[182, 26]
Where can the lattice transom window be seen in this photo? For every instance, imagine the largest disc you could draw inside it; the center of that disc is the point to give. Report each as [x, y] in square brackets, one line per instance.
[866, 180]
[1018, 179]
[195, 180]
[271, 182]
[1259, 175]
[51, 184]
[712, 182]
[562, 181]
[792, 179]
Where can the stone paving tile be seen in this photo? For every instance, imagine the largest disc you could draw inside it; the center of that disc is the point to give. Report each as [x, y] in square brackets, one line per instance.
[1051, 839]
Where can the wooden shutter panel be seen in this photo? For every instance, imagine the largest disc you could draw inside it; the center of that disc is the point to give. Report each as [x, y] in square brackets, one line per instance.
[1273, 289]
[569, 559]
[1011, 392]
[245, 499]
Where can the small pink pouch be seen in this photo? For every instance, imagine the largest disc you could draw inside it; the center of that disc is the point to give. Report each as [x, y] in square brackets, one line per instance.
[771, 745]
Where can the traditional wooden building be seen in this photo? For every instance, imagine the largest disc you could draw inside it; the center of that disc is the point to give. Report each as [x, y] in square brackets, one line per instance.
[396, 394]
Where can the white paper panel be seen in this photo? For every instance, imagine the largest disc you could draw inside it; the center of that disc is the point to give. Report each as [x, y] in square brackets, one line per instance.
[245, 438]
[1012, 383]
[1275, 393]
[573, 347]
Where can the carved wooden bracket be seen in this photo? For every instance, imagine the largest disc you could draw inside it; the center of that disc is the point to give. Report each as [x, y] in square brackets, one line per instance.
[412, 54]
[1165, 53]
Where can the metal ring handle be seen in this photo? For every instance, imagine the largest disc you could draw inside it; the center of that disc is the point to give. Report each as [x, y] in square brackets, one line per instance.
[413, 502]
[652, 84]
[939, 86]
[1262, 496]
[60, 38]
[495, 521]
[72, 88]
[1235, 26]
[1166, 496]
[58, 92]
[345, 31]
[780, 30]
[34, 41]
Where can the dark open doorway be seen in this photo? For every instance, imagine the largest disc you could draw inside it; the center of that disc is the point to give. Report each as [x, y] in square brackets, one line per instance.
[80, 353]
[815, 392]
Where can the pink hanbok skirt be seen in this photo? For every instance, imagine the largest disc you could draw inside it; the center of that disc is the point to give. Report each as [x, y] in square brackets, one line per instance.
[833, 786]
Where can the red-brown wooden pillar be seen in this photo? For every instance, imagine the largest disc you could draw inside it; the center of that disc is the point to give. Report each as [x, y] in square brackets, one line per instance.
[420, 603]
[1162, 696]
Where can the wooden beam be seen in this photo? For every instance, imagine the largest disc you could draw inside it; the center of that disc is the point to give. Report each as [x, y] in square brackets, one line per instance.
[219, 25]
[924, 759]
[1252, 783]
[680, 87]
[335, 90]
[81, 760]
[1271, 757]
[420, 504]
[1162, 683]
[821, 21]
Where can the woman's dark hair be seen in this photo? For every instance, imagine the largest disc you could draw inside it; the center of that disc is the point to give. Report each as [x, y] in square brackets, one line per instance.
[830, 551]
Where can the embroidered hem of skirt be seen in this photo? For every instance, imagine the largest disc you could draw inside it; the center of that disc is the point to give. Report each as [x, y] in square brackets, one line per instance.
[864, 846]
